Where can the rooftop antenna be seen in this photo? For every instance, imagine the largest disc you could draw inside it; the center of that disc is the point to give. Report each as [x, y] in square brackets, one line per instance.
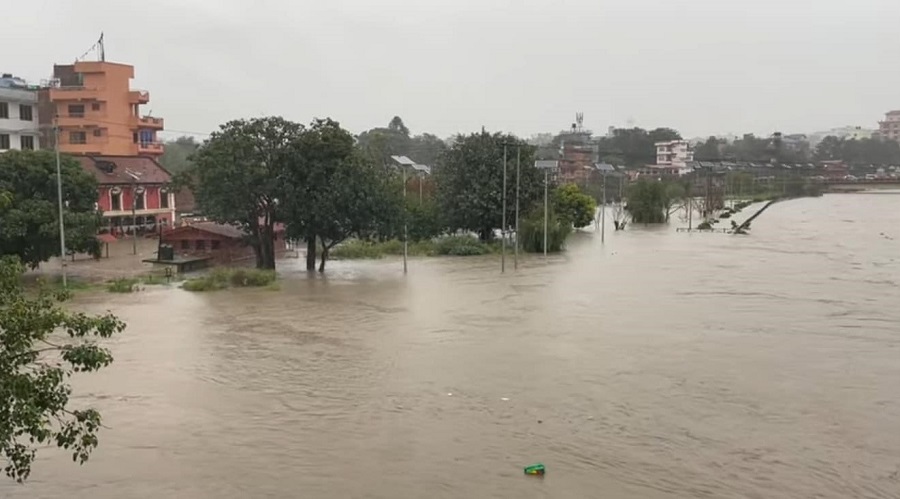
[579, 121]
[97, 46]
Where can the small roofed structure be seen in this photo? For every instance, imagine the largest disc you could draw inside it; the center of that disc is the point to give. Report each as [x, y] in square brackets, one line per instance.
[219, 244]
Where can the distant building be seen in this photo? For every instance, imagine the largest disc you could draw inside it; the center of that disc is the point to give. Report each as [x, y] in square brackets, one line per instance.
[674, 153]
[97, 111]
[226, 244]
[18, 114]
[890, 127]
[131, 185]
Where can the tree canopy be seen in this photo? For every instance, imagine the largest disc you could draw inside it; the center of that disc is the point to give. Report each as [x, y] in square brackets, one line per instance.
[36, 363]
[334, 191]
[469, 182]
[573, 206]
[238, 178]
[861, 151]
[29, 217]
[176, 157]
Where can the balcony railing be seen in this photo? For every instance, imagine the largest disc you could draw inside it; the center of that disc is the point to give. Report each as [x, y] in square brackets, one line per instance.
[150, 147]
[74, 93]
[150, 122]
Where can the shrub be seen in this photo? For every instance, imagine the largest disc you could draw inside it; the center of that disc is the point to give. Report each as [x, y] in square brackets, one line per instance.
[532, 233]
[461, 246]
[122, 285]
[224, 278]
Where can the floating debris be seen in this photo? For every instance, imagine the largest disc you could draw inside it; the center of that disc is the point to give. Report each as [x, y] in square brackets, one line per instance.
[535, 469]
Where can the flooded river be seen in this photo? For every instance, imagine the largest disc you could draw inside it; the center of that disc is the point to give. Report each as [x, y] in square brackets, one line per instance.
[660, 364]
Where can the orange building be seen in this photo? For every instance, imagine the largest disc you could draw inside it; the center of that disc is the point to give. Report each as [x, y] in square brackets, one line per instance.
[97, 111]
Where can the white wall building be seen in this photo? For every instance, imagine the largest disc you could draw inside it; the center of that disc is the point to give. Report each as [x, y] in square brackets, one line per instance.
[18, 115]
[845, 132]
[675, 153]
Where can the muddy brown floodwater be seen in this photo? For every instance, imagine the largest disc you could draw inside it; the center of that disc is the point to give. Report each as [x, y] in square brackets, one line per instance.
[662, 364]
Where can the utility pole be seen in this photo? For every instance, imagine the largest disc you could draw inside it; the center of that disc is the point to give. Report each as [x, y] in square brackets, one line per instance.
[546, 209]
[62, 224]
[134, 215]
[518, 171]
[503, 227]
[603, 212]
[405, 223]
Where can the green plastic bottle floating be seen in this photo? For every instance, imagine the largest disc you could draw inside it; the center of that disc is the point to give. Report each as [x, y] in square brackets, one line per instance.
[535, 469]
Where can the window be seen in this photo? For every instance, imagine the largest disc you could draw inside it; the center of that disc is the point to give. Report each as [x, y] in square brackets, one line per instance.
[134, 137]
[98, 132]
[4, 110]
[26, 142]
[185, 244]
[76, 110]
[95, 106]
[163, 199]
[140, 200]
[77, 138]
[4, 142]
[216, 244]
[115, 201]
[25, 112]
[201, 244]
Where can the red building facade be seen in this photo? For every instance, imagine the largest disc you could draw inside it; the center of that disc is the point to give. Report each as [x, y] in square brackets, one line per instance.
[133, 193]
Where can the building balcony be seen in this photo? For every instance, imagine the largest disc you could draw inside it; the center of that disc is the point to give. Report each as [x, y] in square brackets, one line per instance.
[150, 148]
[148, 123]
[139, 97]
[58, 94]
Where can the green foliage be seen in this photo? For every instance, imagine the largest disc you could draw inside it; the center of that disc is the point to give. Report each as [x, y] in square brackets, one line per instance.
[573, 206]
[648, 201]
[445, 246]
[123, 285]
[335, 191]
[862, 151]
[29, 212]
[222, 278]
[424, 219]
[237, 178]
[461, 246]
[35, 367]
[469, 182]
[634, 146]
[177, 156]
[532, 232]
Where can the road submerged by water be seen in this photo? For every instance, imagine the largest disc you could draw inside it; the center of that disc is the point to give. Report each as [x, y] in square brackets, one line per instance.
[657, 365]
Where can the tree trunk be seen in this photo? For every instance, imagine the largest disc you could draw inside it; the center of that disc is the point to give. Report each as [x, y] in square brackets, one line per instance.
[311, 254]
[324, 257]
[266, 255]
[486, 235]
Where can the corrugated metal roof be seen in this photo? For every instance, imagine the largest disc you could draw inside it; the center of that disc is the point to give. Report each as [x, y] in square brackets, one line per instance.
[112, 169]
[548, 164]
[403, 161]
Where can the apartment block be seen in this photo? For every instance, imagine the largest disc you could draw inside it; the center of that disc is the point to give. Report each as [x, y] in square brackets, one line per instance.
[97, 112]
[19, 128]
[890, 127]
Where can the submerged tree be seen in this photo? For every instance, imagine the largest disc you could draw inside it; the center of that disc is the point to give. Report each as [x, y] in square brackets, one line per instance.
[334, 191]
[237, 178]
[573, 206]
[648, 201]
[41, 346]
[469, 182]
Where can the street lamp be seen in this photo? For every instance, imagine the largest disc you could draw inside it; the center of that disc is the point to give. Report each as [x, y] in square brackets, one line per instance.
[404, 163]
[59, 195]
[135, 192]
[547, 166]
[604, 168]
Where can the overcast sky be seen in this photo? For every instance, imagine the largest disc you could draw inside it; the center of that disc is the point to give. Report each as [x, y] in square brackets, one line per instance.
[446, 66]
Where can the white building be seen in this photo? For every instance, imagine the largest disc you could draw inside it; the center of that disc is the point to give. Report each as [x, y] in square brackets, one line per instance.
[18, 115]
[675, 153]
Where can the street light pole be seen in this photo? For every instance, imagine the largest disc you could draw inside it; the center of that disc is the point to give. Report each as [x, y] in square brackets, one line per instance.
[503, 227]
[603, 213]
[518, 171]
[405, 223]
[546, 209]
[62, 224]
[134, 216]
